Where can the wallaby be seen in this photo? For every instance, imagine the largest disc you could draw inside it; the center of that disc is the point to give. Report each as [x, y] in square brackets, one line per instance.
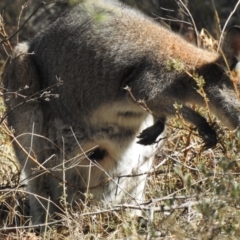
[72, 95]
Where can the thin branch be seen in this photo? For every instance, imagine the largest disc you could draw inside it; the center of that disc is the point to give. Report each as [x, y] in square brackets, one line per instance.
[216, 14]
[163, 208]
[31, 226]
[19, 19]
[174, 20]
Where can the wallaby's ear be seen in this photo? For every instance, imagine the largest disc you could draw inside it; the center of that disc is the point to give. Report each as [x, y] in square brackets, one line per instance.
[231, 46]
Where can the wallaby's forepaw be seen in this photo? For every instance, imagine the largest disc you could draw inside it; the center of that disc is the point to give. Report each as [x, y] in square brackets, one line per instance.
[149, 135]
[209, 136]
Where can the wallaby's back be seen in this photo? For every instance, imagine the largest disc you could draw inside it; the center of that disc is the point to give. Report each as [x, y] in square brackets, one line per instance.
[106, 40]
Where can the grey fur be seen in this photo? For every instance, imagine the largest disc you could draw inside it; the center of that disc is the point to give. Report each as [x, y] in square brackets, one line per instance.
[96, 50]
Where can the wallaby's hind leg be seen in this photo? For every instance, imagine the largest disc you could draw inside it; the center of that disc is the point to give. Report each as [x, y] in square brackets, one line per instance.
[42, 204]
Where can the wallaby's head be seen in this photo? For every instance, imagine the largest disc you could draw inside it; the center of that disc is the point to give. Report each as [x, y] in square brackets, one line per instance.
[223, 88]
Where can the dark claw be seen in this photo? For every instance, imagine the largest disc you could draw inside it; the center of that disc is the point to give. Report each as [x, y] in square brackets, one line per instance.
[208, 135]
[149, 135]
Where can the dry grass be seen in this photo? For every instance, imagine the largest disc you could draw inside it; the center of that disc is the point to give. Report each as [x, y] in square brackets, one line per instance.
[190, 194]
